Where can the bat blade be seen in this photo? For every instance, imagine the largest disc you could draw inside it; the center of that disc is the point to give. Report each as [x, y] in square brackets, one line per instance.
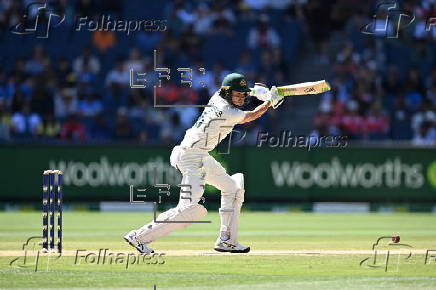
[309, 88]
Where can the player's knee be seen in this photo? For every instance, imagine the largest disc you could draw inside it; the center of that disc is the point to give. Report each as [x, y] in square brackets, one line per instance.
[192, 211]
[240, 195]
[228, 198]
[240, 189]
[191, 191]
[234, 192]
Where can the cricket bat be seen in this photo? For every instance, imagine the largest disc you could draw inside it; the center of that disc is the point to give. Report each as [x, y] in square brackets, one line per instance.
[309, 88]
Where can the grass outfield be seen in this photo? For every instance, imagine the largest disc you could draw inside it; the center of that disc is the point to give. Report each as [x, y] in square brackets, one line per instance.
[311, 235]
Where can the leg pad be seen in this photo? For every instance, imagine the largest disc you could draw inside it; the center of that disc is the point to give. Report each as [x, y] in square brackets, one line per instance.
[169, 221]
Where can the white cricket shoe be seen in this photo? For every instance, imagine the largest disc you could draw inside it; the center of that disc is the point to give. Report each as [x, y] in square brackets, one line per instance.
[223, 246]
[141, 247]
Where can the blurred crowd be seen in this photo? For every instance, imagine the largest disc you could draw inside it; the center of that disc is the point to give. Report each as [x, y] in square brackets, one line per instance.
[77, 88]
[51, 91]
[383, 84]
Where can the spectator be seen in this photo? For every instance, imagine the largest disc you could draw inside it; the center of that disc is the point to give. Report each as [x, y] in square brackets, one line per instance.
[366, 71]
[247, 65]
[118, 81]
[138, 107]
[3, 95]
[135, 61]
[150, 130]
[73, 130]
[265, 67]
[86, 8]
[326, 120]
[100, 131]
[376, 124]
[391, 84]
[86, 62]
[42, 101]
[172, 130]
[38, 63]
[104, 40]
[175, 24]
[352, 123]
[186, 14]
[5, 122]
[400, 116]
[414, 89]
[187, 116]
[425, 114]
[203, 20]
[189, 46]
[424, 14]
[391, 87]
[431, 94]
[147, 40]
[263, 36]
[19, 70]
[426, 135]
[143, 137]
[223, 19]
[8, 90]
[168, 94]
[219, 71]
[86, 82]
[201, 78]
[90, 106]
[65, 103]
[123, 128]
[18, 101]
[50, 129]
[278, 63]
[364, 97]
[256, 4]
[119, 77]
[65, 75]
[319, 18]
[25, 124]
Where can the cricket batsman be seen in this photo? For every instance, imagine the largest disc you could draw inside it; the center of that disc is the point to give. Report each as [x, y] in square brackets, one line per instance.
[198, 168]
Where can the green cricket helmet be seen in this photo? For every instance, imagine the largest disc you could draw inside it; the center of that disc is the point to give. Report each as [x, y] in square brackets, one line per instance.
[234, 82]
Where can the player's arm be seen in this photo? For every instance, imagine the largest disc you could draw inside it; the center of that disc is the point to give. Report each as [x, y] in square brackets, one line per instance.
[256, 113]
[270, 98]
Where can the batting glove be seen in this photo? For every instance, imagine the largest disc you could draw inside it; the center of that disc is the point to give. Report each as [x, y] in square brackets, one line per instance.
[261, 92]
[276, 99]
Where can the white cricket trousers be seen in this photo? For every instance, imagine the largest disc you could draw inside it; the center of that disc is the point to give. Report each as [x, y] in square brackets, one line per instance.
[198, 168]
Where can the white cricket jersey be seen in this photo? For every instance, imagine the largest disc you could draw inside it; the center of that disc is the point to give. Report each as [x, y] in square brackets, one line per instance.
[213, 125]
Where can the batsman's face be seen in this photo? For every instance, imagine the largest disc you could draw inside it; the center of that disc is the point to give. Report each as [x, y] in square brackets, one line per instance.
[238, 98]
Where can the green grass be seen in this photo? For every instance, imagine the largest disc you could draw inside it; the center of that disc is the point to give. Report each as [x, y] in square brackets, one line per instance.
[262, 231]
